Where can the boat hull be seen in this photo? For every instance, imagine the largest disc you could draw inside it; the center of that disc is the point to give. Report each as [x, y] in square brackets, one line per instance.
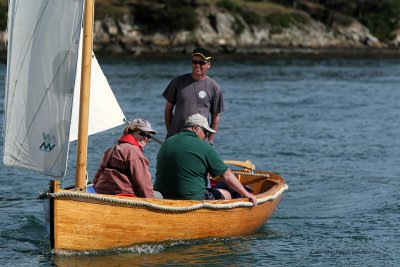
[85, 223]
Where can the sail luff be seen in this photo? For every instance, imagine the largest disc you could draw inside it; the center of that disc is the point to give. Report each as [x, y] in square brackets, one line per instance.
[81, 161]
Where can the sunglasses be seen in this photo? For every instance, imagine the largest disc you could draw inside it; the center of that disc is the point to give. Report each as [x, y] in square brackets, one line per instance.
[148, 136]
[201, 63]
[206, 133]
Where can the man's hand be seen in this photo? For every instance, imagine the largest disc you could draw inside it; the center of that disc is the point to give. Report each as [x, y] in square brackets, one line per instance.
[230, 179]
[252, 198]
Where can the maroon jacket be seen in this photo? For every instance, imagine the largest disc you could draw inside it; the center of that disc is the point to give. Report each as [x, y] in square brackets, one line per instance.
[124, 170]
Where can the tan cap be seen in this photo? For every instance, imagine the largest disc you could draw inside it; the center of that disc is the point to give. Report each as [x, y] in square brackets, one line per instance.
[199, 120]
[142, 125]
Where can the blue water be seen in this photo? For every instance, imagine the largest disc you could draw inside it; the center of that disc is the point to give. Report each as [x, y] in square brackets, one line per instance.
[330, 126]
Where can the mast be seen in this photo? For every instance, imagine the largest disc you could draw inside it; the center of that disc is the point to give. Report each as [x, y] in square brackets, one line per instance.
[81, 157]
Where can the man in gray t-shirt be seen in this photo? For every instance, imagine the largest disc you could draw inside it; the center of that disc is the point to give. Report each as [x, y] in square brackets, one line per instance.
[193, 93]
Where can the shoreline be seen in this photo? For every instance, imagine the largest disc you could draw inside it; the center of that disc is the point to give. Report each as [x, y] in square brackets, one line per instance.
[268, 52]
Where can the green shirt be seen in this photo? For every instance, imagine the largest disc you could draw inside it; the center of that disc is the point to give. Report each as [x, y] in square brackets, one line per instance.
[183, 163]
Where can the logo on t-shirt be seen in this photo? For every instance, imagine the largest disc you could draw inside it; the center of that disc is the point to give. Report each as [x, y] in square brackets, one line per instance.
[202, 94]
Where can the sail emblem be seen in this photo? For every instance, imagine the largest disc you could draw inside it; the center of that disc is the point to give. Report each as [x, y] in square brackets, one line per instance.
[49, 142]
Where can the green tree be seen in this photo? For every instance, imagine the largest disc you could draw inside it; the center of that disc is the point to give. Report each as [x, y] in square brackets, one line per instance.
[3, 16]
[167, 17]
[381, 17]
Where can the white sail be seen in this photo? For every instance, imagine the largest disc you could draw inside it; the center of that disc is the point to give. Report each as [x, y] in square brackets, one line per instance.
[43, 47]
[42, 82]
[104, 110]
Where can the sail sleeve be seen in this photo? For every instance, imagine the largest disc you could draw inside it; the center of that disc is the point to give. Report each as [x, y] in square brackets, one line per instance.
[43, 43]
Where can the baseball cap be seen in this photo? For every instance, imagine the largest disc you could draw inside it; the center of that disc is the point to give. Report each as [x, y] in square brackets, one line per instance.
[142, 125]
[202, 52]
[199, 120]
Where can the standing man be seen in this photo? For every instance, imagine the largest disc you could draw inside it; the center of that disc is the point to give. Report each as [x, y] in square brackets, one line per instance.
[193, 93]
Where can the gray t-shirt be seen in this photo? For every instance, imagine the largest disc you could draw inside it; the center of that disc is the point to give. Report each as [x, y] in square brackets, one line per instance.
[191, 96]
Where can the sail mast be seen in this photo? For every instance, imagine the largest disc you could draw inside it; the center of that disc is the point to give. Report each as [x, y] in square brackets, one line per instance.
[81, 158]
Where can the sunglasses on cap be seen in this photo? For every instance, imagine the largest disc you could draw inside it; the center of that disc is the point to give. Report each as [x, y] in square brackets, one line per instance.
[200, 62]
[148, 136]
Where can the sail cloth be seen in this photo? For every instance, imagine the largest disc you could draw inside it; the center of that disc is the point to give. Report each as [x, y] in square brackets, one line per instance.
[104, 110]
[41, 69]
[42, 63]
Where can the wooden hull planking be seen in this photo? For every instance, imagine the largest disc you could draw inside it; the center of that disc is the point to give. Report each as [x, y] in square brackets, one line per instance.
[90, 224]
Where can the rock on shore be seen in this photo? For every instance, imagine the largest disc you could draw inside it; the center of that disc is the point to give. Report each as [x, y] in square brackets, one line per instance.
[121, 35]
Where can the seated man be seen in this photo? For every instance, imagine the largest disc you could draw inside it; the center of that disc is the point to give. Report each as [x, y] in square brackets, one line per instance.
[184, 161]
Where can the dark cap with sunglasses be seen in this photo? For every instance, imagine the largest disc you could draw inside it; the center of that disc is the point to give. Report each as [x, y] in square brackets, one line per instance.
[202, 52]
[142, 125]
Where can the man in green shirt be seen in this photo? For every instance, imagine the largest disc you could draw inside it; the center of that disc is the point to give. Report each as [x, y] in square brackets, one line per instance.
[185, 160]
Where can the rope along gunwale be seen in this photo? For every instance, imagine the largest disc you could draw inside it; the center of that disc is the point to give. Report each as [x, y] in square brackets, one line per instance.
[142, 203]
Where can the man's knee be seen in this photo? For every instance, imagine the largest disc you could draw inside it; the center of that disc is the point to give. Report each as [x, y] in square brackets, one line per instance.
[225, 194]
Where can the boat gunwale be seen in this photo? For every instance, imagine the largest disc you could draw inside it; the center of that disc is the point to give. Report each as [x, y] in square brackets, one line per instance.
[174, 205]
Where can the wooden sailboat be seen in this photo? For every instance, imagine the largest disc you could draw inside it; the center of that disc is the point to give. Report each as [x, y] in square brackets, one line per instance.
[76, 219]
[84, 221]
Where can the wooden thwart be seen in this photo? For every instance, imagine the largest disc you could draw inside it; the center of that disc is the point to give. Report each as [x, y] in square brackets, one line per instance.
[245, 164]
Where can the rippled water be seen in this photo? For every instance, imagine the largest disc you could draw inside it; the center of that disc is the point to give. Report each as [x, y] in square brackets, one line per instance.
[330, 126]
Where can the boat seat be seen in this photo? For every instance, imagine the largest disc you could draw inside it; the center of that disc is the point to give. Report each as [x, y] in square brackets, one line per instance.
[245, 164]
